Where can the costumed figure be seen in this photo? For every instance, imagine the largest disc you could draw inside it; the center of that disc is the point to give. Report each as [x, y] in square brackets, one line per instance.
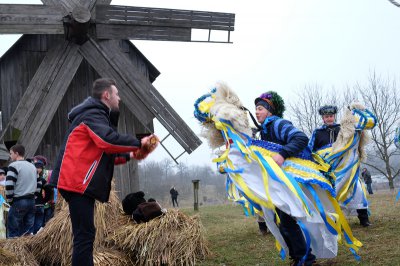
[397, 138]
[342, 147]
[397, 144]
[297, 189]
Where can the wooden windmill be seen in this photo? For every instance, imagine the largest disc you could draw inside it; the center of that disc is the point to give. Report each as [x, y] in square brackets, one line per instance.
[66, 45]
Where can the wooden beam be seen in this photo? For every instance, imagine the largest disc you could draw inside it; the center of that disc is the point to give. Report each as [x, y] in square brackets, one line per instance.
[69, 5]
[163, 17]
[139, 87]
[39, 120]
[91, 4]
[51, 77]
[30, 19]
[132, 32]
[100, 62]
[66, 5]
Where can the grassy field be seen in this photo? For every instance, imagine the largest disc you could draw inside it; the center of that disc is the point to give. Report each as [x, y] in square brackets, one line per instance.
[234, 239]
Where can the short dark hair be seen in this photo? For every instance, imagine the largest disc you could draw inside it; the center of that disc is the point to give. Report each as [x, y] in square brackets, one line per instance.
[100, 85]
[18, 148]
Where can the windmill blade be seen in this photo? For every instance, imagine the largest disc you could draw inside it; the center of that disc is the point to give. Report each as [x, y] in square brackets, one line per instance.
[69, 5]
[30, 19]
[100, 61]
[107, 59]
[144, 23]
[41, 99]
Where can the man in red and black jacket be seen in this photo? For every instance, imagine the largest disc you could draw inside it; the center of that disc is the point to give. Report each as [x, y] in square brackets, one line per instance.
[85, 165]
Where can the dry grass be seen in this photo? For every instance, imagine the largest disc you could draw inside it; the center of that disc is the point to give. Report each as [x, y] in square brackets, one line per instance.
[178, 239]
[17, 252]
[7, 258]
[58, 233]
[111, 257]
[173, 239]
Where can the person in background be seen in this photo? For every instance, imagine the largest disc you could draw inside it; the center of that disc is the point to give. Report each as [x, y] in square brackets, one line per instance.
[2, 177]
[367, 179]
[3, 216]
[174, 196]
[21, 184]
[324, 137]
[50, 194]
[42, 195]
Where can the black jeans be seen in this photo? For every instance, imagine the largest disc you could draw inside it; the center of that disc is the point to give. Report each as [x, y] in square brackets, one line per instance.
[369, 188]
[294, 238]
[81, 209]
[175, 201]
[363, 216]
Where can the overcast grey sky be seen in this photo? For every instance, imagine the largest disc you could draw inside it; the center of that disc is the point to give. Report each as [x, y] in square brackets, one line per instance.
[279, 45]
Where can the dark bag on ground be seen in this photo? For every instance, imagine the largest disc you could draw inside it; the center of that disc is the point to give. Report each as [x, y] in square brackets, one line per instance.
[146, 211]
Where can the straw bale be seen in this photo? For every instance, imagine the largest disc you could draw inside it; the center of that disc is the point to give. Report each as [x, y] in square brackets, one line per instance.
[7, 258]
[16, 252]
[111, 257]
[53, 244]
[173, 239]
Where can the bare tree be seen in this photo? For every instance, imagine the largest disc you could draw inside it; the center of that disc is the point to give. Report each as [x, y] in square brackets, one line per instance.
[167, 165]
[380, 96]
[383, 99]
[303, 109]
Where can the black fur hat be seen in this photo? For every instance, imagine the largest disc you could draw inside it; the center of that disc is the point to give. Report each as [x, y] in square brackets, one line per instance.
[327, 110]
[131, 201]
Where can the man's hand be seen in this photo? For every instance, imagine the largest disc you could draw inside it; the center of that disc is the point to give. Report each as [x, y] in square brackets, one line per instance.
[148, 144]
[278, 159]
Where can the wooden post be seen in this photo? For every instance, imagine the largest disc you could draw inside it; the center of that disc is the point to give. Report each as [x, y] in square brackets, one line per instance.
[196, 194]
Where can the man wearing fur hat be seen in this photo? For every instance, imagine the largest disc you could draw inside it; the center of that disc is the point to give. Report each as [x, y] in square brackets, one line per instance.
[269, 111]
[324, 137]
[327, 134]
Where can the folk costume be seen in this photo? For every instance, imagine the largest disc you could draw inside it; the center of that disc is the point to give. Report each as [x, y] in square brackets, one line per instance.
[352, 198]
[296, 193]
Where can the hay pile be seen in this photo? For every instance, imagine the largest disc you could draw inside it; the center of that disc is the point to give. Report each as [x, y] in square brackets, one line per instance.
[15, 252]
[7, 258]
[171, 239]
[53, 245]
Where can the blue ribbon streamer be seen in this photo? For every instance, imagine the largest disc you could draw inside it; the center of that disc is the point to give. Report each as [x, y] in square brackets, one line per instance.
[353, 182]
[321, 209]
[282, 253]
[308, 241]
[356, 256]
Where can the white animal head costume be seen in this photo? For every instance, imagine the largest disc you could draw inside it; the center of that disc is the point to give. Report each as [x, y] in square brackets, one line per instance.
[220, 103]
[356, 118]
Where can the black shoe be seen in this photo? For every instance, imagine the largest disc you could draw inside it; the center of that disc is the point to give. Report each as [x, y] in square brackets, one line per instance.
[264, 232]
[294, 262]
[366, 224]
